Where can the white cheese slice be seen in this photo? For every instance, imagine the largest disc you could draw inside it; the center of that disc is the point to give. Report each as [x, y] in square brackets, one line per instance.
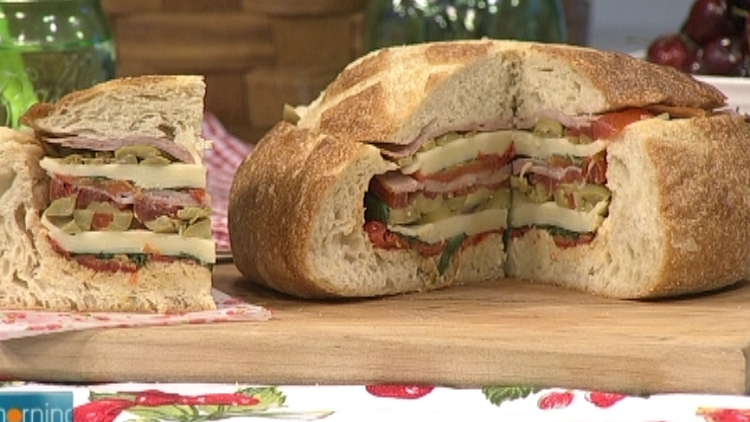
[480, 222]
[526, 213]
[459, 151]
[175, 175]
[133, 241]
[527, 144]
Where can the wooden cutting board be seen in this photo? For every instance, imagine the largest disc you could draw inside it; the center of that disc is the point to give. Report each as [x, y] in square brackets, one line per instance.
[508, 333]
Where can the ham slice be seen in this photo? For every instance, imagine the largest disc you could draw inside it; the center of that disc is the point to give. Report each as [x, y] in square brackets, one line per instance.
[540, 167]
[147, 205]
[564, 119]
[151, 204]
[88, 190]
[430, 131]
[397, 183]
[166, 145]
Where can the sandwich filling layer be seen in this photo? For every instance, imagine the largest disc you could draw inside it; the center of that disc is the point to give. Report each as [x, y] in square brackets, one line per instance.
[460, 187]
[134, 204]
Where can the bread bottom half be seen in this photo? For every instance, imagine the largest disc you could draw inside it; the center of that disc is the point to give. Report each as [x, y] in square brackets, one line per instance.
[158, 287]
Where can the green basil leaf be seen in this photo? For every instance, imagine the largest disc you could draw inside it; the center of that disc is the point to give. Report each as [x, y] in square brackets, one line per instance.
[450, 248]
[376, 209]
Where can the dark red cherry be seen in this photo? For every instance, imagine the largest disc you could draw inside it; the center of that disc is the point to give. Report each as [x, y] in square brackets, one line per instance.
[708, 19]
[671, 50]
[722, 56]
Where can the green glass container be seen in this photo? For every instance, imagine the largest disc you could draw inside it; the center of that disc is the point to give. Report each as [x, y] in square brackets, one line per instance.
[49, 48]
[398, 22]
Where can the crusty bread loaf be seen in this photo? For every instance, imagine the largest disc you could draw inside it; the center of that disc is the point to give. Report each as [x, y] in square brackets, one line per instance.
[677, 220]
[168, 107]
[296, 210]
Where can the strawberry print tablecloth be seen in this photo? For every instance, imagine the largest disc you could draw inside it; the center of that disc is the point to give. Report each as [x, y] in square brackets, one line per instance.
[220, 402]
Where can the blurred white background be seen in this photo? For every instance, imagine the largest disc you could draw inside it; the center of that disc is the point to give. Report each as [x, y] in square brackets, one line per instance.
[630, 25]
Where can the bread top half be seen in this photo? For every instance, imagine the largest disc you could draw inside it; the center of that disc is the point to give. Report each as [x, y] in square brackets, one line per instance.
[155, 107]
[399, 94]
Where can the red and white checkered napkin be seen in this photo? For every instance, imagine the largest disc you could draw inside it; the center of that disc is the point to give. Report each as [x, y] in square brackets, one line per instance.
[222, 162]
[16, 324]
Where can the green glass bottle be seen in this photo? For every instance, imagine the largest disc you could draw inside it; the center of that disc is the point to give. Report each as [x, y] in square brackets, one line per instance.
[529, 20]
[397, 22]
[49, 48]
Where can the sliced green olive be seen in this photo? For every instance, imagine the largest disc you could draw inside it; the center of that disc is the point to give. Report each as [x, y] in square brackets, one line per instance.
[73, 159]
[476, 198]
[405, 161]
[83, 219]
[438, 215]
[193, 214]
[140, 151]
[539, 194]
[456, 203]
[290, 114]
[520, 184]
[121, 221]
[447, 138]
[128, 159]
[155, 161]
[406, 215]
[94, 160]
[593, 194]
[428, 145]
[163, 224]
[102, 207]
[62, 207]
[560, 198]
[581, 139]
[547, 128]
[201, 229]
[70, 227]
[499, 200]
[426, 205]
[584, 139]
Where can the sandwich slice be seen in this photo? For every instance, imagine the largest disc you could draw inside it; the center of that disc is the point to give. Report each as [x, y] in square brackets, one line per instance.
[426, 165]
[123, 218]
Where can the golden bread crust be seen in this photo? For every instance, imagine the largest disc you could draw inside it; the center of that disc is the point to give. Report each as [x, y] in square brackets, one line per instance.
[629, 82]
[275, 196]
[377, 94]
[704, 184]
[456, 53]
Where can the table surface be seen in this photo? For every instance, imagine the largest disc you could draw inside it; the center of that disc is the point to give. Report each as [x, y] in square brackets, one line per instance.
[506, 332]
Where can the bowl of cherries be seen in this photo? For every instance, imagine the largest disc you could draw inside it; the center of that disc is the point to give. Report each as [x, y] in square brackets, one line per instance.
[713, 40]
[713, 45]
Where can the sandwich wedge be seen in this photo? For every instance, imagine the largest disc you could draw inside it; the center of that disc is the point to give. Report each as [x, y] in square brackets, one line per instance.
[112, 192]
[426, 165]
